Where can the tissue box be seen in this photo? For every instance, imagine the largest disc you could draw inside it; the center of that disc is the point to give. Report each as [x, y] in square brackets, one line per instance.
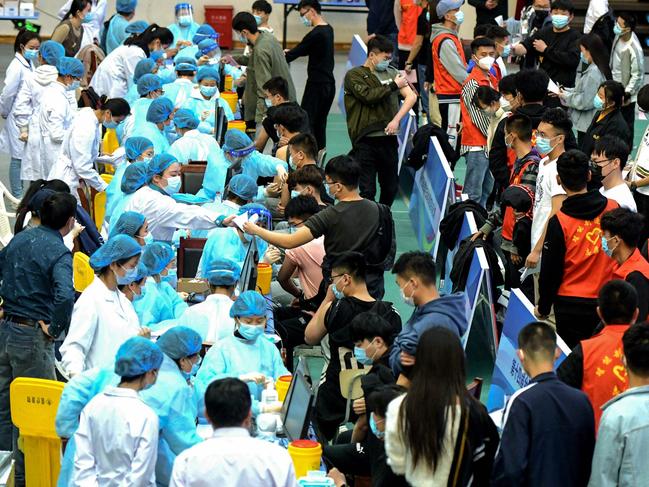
[26, 9]
[11, 9]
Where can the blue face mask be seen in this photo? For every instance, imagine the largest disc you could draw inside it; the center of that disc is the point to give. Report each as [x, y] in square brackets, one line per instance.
[379, 434]
[427, 16]
[243, 38]
[250, 332]
[382, 65]
[268, 103]
[608, 251]
[30, 54]
[110, 125]
[194, 371]
[305, 21]
[560, 21]
[258, 19]
[361, 356]
[459, 17]
[598, 103]
[543, 145]
[75, 84]
[171, 278]
[338, 294]
[184, 20]
[295, 194]
[328, 190]
[208, 91]
[583, 58]
[507, 50]
[617, 30]
[148, 239]
[291, 163]
[128, 277]
[90, 16]
[173, 185]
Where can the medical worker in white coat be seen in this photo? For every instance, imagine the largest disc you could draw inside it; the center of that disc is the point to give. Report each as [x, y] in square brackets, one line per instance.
[114, 76]
[26, 48]
[103, 318]
[117, 437]
[116, 33]
[28, 100]
[80, 149]
[162, 212]
[211, 318]
[92, 28]
[184, 28]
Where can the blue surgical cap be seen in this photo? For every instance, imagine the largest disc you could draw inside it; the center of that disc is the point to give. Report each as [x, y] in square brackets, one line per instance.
[207, 72]
[137, 27]
[142, 271]
[156, 257]
[69, 66]
[135, 176]
[243, 186]
[128, 223]
[185, 58]
[185, 119]
[135, 147]
[117, 248]
[236, 139]
[180, 6]
[223, 272]
[185, 67]
[156, 55]
[159, 110]
[206, 46]
[249, 303]
[179, 342]
[159, 163]
[205, 31]
[51, 52]
[148, 83]
[125, 6]
[144, 66]
[137, 356]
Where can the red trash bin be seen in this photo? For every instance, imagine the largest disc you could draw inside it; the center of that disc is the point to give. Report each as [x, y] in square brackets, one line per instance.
[220, 17]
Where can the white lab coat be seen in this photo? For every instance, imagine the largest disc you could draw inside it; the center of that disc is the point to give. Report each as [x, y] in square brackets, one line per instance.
[231, 457]
[165, 214]
[101, 321]
[117, 441]
[114, 76]
[16, 71]
[91, 30]
[210, 319]
[80, 148]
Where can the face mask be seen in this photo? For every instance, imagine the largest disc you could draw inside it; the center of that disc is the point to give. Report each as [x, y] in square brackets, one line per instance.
[110, 125]
[305, 21]
[337, 293]
[583, 58]
[507, 50]
[173, 185]
[329, 193]
[544, 146]
[409, 300]
[291, 163]
[243, 38]
[541, 14]
[184, 20]
[88, 18]
[427, 16]
[30, 54]
[171, 278]
[379, 434]
[137, 297]
[208, 91]
[560, 21]
[361, 356]
[608, 251]
[193, 372]
[598, 103]
[128, 277]
[382, 65]
[295, 194]
[258, 19]
[250, 332]
[617, 30]
[486, 62]
[268, 103]
[504, 103]
[147, 387]
[148, 239]
[510, 143]
[459, 17]
[72, 87]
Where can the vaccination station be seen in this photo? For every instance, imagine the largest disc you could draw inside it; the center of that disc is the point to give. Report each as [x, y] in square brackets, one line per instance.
[324, 243]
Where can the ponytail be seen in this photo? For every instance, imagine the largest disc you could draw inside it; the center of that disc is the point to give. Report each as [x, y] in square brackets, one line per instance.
[23, 206]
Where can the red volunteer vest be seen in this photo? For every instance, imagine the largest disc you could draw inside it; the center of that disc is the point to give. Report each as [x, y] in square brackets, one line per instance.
[471, 134]
[634, 263]
[408, 28]
[445, 84]
[508, 218]
[586, 266]
[604, 374]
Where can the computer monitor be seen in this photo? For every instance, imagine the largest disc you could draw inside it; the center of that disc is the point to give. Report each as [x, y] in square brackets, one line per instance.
[248, 277]
[301, 368]
[296, 419]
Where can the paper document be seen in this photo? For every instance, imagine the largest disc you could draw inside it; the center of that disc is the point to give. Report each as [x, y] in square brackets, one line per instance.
[243, 218]
[553, 87]
[526, 272]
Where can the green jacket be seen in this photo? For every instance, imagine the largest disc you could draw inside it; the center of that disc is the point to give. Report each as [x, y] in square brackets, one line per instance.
[369, 103]
[266, 61]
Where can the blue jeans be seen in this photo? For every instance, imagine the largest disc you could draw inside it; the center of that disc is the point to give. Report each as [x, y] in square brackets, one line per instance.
[478, 181]
[25, 351]
[14, 178]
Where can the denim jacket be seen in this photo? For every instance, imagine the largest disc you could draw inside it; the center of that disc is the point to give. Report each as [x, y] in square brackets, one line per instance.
[620, 456]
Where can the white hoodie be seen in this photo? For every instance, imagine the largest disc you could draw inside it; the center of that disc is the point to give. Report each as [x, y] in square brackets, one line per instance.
[29, 95]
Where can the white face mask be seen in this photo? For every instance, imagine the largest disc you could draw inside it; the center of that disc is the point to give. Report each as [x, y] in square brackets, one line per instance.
[486, 62]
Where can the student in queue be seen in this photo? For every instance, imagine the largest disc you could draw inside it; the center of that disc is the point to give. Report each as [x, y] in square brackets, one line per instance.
[610, 155]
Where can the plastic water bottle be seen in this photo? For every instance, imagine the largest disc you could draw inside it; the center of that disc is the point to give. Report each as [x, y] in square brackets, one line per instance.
[269, 395]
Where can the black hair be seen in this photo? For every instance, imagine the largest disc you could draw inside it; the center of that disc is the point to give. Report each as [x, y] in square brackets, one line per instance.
[23, 207]
[382, 396]
[521, 125]
[150, 34]
[485, 96]
[614, 92]
[307, 143]
[630, 20]
[626, 224]
[290, 116]
[416, 263]
[369, 325]
[309, 175]
[23, 37]
[277, 86]
[262, 6]
[481, 42]
[352, 263]
[345, 170]
[75, 7]
[301, 206]
[532, 84]
[379, 43]
[558, 118]
[227, 402]
[497, 32]
[573, 169]
[507, 85]
[636, 348]
[562, 5]
[613, 148]
[57, 210]
[131, 378]
[617, 301]
[538, 340]
[57, 185]
[643, 98]
[244, 20]
[480, 30]
[314, 4]
[118, 107]
[598, 51]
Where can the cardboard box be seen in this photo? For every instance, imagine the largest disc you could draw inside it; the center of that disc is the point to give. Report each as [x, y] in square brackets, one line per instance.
[192, 285]
[26, 9]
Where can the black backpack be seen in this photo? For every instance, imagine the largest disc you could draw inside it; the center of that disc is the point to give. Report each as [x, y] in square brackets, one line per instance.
[380, 252]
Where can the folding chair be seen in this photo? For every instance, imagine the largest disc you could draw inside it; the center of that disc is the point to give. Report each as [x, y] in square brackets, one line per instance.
[6, 232]
[82, 273]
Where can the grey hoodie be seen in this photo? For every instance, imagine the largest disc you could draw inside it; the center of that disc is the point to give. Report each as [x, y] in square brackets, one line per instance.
[448, 54]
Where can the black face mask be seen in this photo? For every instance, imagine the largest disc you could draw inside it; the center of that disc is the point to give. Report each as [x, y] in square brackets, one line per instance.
[540, 16]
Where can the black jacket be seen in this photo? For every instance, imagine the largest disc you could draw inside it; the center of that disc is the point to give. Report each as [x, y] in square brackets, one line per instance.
[486, 16]
[612, 124]
[561, 58]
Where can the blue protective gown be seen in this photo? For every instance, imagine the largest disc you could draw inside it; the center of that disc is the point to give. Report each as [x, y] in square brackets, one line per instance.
[151, 131]
[258, 165]
[225, 208]
[173, 400]
[120, 205]
[204, 109]
[76, 394]
[114, 190]
[178, 91]
[233, 357]
[116, 34]
[183, 33]
[225, 243]
[132, 95]
[159, 302]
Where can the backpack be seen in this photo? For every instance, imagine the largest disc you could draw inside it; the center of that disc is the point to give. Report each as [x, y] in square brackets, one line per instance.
[380, 252]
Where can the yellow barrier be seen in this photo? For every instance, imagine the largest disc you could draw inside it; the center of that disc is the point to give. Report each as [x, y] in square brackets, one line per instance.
[34, 403]
[82, 273]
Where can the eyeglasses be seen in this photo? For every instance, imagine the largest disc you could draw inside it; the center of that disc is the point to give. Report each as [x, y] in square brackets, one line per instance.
[599, 163]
